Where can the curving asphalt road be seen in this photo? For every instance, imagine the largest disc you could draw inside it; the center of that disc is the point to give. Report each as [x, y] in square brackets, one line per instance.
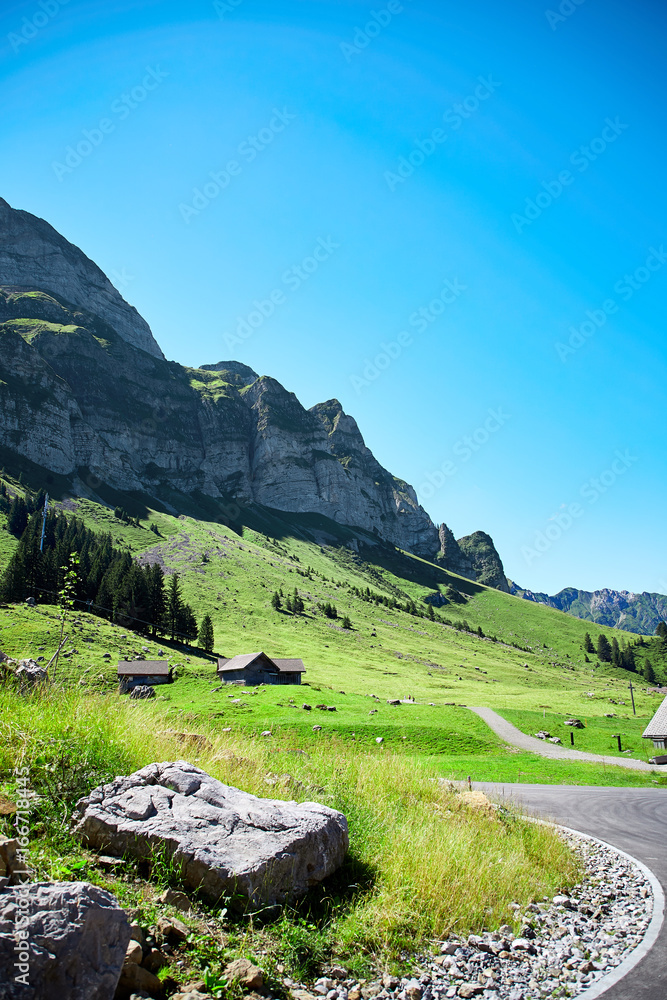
[632, 819]
[516, 738]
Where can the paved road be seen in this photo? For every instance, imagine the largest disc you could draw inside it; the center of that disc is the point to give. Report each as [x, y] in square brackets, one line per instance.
[516, 738]
[632, 819]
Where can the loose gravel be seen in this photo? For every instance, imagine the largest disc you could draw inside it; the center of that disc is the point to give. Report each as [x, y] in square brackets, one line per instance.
[565, 944]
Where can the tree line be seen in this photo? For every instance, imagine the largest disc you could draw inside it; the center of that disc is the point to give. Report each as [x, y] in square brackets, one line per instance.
[626, 656]
[109, 582]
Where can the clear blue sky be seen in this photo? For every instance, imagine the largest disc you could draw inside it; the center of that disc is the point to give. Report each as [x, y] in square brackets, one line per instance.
[316, 117]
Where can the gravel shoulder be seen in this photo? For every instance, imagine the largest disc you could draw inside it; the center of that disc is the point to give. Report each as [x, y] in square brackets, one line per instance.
[633, 820]
[516, 738]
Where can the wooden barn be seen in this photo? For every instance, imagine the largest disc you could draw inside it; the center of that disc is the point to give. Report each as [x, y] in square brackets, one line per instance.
[657, 731]
[258, 668]
[132, 673]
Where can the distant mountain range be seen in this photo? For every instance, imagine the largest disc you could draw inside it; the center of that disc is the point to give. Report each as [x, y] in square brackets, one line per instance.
[638, 613]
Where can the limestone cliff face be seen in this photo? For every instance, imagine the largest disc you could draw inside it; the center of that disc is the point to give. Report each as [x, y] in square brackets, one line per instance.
[451, 556]
[77, 396]
[481, 552]
[34, 255]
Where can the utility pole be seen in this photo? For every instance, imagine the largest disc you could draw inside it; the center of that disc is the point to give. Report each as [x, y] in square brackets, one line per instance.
[46, 507]
[632, 695]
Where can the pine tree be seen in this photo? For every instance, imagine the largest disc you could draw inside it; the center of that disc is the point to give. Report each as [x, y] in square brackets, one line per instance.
[588, 644]
[18, 517]
[276, 603]
[206, 637]
[628, 658]
[346, 623]
[615, 653]
[156, 597]
[186, 625]
[604, 649]
[174, 607]
[648, 671]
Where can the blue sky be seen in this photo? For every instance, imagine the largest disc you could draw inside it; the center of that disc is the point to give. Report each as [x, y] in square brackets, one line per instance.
[447, 216]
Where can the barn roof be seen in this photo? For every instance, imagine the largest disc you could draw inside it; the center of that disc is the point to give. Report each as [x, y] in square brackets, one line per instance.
[146, 668]
[290, 666]
[657, 727]
[243, 660]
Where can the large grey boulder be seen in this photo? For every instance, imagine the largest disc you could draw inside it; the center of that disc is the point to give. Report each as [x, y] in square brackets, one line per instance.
[68, 940]
[225, 841]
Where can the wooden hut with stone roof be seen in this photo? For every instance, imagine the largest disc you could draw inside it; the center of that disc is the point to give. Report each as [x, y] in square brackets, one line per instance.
[258, 668]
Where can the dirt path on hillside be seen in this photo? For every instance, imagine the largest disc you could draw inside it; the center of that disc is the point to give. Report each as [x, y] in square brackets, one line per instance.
[516, 738]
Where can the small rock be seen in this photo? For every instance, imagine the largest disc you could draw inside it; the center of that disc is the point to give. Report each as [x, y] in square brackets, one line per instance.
[521, 944]
[245, 973]
[172, 929]
[134, 954]
[136, 979]
[154, 961]
[468, 990]
[178, 900]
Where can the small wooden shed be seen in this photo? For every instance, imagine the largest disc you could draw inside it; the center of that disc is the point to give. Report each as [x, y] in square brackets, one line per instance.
[131, 673]
[258, 668]
[657, 728]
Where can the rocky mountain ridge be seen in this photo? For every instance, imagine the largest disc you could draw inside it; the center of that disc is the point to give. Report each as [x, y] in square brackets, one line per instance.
[638, 613]
[87, 394]
[34, 256]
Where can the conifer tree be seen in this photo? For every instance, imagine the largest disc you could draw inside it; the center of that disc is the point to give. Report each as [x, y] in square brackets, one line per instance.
[206, 637]
[604, 649]
[648, 671]
[17, 521]
[588, 644]
[174, 605]
[276, 603]
[615, 653]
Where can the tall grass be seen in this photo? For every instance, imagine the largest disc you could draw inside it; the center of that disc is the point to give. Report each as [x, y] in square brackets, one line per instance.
[423, 859]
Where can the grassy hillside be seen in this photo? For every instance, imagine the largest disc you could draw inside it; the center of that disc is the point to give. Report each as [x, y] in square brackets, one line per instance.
[414, 834]
[388, 653]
